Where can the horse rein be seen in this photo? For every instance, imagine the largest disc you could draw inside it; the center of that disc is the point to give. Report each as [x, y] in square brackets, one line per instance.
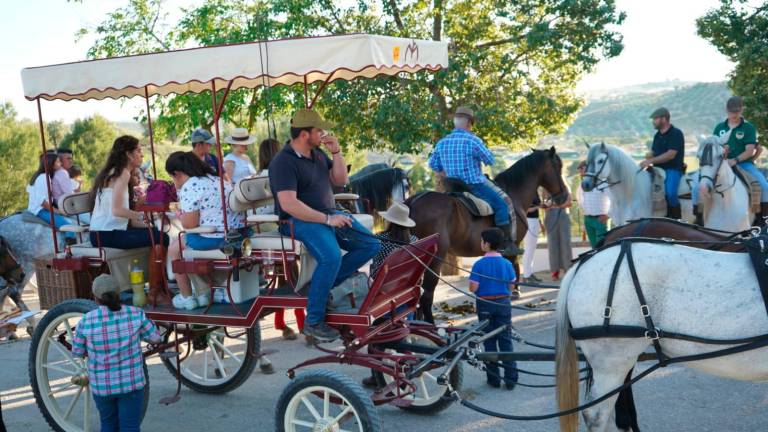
[706, 160]
[599, 181]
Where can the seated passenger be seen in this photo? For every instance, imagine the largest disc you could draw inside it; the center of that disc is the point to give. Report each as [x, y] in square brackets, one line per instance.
[237, 164]
[301, 177]
[61, 183]
[200, 203]
[37, 189]
[113, 223]
[202, 140]
[396, 233]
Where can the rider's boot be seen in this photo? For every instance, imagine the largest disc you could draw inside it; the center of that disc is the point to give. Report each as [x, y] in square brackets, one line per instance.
[698, 215]
[511, 248]
[674, 212]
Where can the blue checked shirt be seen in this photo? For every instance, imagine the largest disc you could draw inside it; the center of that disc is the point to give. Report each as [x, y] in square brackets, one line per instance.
[460, 155]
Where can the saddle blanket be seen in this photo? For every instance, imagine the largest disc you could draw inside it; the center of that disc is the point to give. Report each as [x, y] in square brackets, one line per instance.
[753, 187]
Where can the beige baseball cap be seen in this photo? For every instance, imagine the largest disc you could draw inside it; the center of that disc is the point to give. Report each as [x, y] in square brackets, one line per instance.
[103, 284]
[465, 111]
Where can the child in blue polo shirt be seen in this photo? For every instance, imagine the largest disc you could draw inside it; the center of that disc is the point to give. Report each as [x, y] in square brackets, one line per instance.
[492, 281]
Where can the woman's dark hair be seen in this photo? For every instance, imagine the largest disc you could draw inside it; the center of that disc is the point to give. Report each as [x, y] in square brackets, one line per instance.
[188, 163]
[111, 300]
[494, 237]
[399, 233]
[295, 132]
[267, 150]
[116, 163]
[48, 159]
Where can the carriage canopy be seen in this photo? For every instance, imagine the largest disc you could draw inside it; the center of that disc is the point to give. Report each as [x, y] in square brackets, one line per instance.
[247, 65]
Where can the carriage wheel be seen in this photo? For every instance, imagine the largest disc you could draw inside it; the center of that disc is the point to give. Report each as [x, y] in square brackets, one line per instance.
[220, 361]
[323, 400]
[59, 380]
[428, 397]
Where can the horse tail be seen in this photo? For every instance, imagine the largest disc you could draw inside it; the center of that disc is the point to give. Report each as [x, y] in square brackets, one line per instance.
[566, 360]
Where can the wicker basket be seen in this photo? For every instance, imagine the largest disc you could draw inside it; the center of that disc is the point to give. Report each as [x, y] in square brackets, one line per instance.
[55, 286]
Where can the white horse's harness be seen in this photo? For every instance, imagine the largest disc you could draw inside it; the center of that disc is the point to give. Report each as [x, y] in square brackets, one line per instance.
[707, 160]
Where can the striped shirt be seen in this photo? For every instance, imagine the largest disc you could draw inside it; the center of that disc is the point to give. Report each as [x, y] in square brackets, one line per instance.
[460, 155]
[595, 202]
[112, 341]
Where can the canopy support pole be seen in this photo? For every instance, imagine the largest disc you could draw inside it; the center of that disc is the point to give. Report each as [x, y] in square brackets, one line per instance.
[306, 94]
[320, 90]
[44, 159]
[216, 115]
[151, 134]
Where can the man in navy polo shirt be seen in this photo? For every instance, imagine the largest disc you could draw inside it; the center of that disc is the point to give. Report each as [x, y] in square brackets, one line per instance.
[668, 152]
[301, 177]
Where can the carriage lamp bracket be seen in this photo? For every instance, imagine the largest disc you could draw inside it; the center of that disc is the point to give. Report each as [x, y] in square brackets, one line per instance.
[607, 312]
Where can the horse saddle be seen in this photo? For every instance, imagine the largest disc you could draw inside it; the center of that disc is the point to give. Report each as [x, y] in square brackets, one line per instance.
[459, 190]
[753, 187]
[28, 217]
[658, 197]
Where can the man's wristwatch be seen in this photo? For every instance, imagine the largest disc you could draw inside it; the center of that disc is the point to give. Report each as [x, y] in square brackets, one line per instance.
[328, 220]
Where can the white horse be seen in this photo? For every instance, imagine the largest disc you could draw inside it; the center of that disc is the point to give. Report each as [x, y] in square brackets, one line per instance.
[688, 300]
[609, 167]
[723, 197]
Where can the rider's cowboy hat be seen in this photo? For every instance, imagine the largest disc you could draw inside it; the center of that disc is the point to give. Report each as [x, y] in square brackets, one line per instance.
[103, 284]
[305, 118]
[240, 136]
[397, 213]
[465, 111]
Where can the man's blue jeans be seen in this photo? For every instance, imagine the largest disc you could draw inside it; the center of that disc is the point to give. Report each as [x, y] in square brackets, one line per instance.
[671, 186]
[325, 243]
[498, 313]
[58, 219]
[757, 175]
[120, 413]
[486, 193]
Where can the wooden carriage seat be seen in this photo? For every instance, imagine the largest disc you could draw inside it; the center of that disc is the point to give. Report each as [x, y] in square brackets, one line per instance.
[118, 260]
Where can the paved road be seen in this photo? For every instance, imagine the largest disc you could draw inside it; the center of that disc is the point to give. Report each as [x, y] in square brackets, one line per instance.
[674, 399]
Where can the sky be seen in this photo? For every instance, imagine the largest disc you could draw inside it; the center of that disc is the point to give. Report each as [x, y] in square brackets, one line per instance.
[659, 37]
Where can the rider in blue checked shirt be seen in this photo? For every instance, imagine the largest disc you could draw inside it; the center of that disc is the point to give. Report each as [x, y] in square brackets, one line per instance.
[460, 155]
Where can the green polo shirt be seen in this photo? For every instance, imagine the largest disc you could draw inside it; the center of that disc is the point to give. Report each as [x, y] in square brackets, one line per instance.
[742, 135]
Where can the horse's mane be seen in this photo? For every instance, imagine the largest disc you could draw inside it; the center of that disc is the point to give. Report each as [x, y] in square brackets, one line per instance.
[377, 186]
[517, 174]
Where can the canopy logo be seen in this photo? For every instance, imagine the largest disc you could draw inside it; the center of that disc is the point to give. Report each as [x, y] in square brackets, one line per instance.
[396, 54]
[412, 52]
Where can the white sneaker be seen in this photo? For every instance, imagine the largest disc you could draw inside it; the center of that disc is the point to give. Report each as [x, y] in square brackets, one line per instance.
[186, 303]
[203, 300]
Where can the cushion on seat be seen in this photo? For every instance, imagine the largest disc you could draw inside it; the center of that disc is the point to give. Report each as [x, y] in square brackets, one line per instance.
[201, 230]
[346, 197]
[204, 254]
[74, 228]
[75, 203]
[86, 250]
[253, 189]
[273, 241]
[365, 220]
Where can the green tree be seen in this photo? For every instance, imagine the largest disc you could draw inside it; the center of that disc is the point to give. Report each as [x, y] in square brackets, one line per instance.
[516, 62]
[90, 140]
[20, 146]
[737, 29]
[55, 131]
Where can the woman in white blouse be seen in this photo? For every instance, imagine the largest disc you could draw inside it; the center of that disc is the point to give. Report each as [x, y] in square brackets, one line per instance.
[237, 164]
[38, 203]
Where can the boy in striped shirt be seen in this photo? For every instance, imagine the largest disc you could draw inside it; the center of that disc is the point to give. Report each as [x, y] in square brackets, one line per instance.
[111, 336]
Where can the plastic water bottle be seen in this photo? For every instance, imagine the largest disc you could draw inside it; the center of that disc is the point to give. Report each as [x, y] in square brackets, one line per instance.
[137, 284]
[269, 264]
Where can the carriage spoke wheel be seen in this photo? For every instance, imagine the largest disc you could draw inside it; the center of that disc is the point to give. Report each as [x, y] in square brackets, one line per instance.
[325, 401]
[428, 397]
[59, 379]
[217, 361]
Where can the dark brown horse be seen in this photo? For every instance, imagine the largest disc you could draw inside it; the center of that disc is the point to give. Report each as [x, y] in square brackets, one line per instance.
[13, 275]
[460, 231]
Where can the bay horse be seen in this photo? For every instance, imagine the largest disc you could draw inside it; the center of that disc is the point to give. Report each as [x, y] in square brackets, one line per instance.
[439, 213]
[14, 276]
[686, 301]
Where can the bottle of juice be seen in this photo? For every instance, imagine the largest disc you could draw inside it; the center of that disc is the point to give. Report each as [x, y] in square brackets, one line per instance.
[137, 284]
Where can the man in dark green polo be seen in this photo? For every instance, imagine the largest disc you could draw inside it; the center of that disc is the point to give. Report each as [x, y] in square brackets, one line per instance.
[742, 149]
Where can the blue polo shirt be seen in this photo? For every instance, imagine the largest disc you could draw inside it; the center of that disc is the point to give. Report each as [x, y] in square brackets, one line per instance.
[494, 266]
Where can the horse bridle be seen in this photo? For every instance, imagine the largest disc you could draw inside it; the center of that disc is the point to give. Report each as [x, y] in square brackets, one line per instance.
[707, 160]
[596, 176]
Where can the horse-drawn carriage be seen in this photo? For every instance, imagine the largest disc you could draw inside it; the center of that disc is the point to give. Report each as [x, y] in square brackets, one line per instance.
[214, 349]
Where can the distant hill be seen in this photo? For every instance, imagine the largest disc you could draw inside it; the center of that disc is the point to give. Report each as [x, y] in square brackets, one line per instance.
[623, 113]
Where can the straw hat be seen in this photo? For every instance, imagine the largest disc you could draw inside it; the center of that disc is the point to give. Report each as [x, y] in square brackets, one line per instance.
[240, 136]
[397, 213]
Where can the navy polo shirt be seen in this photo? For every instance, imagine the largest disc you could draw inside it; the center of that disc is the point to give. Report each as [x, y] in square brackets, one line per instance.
[673, 139]
[309, 177]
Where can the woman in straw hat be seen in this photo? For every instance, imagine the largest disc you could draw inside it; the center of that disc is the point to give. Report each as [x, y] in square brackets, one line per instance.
[237, 164]
[397, 232]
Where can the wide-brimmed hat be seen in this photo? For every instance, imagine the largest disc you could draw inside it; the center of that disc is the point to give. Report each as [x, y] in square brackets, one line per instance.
[201, 135]
[305, 118]
[397, 213]
[103, 284]
[240, 136]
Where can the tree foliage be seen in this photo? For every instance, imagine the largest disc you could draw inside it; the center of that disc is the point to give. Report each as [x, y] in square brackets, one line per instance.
[738, 29]
[516, 63]
[19, 145]
[90, 140]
